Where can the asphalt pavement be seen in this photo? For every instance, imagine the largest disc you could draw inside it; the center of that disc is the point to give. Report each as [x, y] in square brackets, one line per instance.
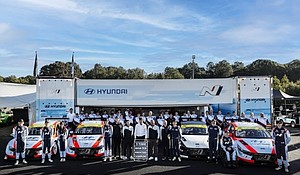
[122, 167]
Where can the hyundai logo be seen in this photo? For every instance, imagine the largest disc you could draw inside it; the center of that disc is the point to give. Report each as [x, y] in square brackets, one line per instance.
[89, 91]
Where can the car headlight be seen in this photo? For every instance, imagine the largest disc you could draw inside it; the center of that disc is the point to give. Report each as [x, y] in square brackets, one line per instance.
[183, 139]
[244, 151]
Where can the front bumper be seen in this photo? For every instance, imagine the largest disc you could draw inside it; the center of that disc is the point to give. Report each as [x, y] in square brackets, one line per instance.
[85, 152]
[193, 152]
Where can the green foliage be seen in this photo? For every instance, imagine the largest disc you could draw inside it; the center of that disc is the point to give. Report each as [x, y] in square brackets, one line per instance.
[172, 73]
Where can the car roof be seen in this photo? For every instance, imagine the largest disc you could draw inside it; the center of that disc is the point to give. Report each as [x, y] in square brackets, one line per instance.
[42, 123]
[90, 124]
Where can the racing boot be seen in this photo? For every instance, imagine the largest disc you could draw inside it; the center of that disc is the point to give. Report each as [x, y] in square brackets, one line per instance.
[61, 160]
[179, 159]
[17, 163]
[24, 161]
[105, 158]
[278, 168]
[43, 161]
[110, 159]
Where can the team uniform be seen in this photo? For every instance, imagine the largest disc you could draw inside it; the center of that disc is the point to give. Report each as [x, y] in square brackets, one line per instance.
[127, 141]
[165, 136]
[209, 119]
[262, 121]
[229, 148]
[213, 136]
[117, 135]
[62, 134]
[153, 137]
[20, 133]
[281, 137]
[175, 133]
[108, 132]
[46, 133]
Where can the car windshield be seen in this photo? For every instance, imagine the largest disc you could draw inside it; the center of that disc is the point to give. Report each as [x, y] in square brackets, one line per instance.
[88, 130]
[193, 130]
[34, 131]
[252, 133]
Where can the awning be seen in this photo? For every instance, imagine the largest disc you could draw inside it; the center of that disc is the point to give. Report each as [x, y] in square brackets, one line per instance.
[278, 94]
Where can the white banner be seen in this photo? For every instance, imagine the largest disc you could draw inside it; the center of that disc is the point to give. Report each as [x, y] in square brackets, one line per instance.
[179, 92]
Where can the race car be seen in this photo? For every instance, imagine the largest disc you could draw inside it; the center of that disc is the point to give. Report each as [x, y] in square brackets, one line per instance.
[87, 140]
[6, 118]
[33, 147]
[194, 139]
[254, 143]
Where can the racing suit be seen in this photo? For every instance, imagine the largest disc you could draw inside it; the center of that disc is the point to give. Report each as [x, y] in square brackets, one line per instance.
[153, 137]
[107, 131]
[46, 133]
[20, 133]
[281, 137]
[62, 134]
[165, 137]
[229, 147]
[175, 133]
[213, 135]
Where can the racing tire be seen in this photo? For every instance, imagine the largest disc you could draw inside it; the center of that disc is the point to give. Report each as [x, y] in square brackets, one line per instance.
[293, 124]
[55, 149]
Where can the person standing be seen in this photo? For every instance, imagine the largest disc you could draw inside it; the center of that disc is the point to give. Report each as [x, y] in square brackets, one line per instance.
[117, 135]
[108, 132]
[153, 138]
[46, 133]
[165, 136]
[176, 135]
[281, 136]
[251, 118]
[262, 120]
[76, 122]
[209, 117]
[127, 140]
[62, 133]
[140, 131]
[214, 132]
[220, 119]
[70, 117]
[20, 132]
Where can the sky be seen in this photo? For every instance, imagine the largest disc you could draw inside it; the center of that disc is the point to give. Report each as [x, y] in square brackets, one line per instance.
[149, 34]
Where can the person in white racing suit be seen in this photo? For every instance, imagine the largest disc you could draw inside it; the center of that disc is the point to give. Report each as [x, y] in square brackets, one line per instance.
[229, 147]
[107, 132]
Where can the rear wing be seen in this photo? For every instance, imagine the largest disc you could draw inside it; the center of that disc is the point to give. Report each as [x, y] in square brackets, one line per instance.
[57, 118]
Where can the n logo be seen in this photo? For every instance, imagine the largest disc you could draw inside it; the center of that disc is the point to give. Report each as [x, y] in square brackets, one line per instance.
[214, 91]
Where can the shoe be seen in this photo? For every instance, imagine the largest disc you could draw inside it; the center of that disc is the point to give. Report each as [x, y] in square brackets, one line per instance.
[288, 164]
[50, 160]
[104, 159]
[163, 158]
[24, 161]
[286, 170]
[43, 161]
[150, 158]
[156, 159]
[131, 158]
[61, 160]
[110, 159]
[174, 158]
[17, 163]
[278, 168]
[179, 159]
[64, 159]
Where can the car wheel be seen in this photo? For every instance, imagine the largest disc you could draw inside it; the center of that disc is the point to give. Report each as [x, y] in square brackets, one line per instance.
[293, 124]
[55, 149]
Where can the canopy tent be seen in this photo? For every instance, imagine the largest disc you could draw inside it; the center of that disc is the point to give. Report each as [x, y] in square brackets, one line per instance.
[16, 95]
[279, 95]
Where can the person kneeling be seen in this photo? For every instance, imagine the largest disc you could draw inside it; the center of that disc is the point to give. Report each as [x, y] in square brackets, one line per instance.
[229, 148]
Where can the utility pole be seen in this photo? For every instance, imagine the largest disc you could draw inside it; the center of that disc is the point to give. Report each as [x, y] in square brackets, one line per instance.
[193, 61]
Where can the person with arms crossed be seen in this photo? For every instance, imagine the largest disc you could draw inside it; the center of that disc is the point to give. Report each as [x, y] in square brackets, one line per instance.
[46, 133]
[20, 133]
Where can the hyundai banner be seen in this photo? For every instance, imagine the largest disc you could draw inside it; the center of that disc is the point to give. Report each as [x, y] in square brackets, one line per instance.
[155, 92]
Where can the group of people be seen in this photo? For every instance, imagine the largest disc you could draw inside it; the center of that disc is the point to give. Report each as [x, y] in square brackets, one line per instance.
[163, 134]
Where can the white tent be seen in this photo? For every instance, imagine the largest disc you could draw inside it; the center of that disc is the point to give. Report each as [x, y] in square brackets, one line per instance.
[16, 95]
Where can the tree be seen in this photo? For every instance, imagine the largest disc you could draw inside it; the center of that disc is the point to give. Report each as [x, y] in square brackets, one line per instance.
[11, 79]
[238, 68]
[155, 76]
[187, 71]
[60, 69]
[136, 73]
[265, 67]
[172, 73]
[1, 79]
[210, 69]
[285, 82]
[276, 84]
[98, 72]
[223, 69]
[293, 70]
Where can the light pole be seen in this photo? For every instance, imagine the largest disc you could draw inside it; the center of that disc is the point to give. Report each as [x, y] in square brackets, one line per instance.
[193, 59]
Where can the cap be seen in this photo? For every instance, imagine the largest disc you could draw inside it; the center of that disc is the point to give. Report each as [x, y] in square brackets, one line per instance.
[140, 118]
[279, 122]
[71, 108]
[21, 120]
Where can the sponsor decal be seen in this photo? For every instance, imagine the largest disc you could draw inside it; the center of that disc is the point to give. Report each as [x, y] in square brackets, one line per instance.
[91, 91]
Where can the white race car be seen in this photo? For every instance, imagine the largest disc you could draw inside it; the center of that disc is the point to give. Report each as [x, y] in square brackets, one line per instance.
[254, 143]
[194, 139]
[87, 140]
[33, 148]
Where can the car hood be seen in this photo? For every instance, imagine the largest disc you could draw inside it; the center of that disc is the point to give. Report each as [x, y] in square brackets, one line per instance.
[87, 141]
[33, 142]
[195, 141]
[257, 146]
